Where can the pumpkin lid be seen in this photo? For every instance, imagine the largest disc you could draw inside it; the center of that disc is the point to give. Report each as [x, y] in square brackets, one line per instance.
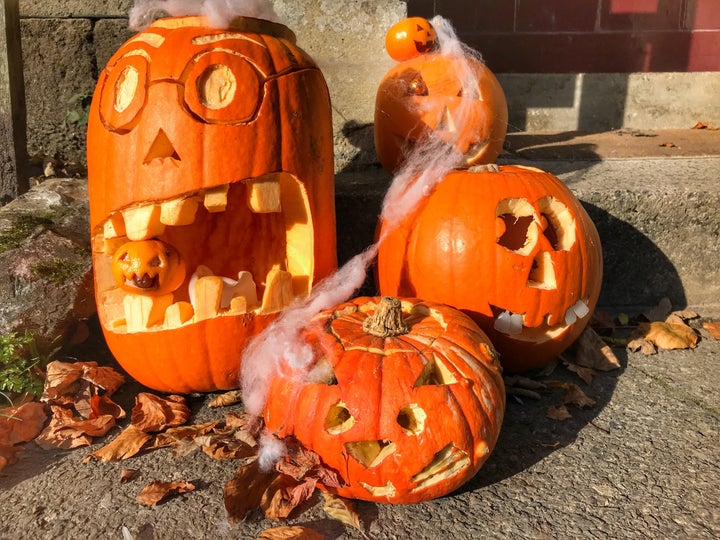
[238, 24]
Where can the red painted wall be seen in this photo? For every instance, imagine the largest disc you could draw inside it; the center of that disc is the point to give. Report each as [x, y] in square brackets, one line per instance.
[585, 36]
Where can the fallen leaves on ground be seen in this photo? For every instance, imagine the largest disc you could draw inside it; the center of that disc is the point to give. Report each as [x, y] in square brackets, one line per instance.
[590, 351]
[153, 413]
[649, 337]
[559, 412]
[704, 125]
[712, 328]
[19, 425]
[130, 441]
[224, 400]
[343, 510]
[157, 491]
[295, 532]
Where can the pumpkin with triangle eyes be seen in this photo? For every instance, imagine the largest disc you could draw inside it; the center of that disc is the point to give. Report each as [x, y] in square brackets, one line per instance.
[454, 98]
[409, 38]
[512, 247]
[405, 398]
[213, 145]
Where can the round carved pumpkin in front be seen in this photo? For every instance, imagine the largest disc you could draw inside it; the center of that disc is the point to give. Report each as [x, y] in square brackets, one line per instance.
[405, 399]
[218, 144]
[510, 246]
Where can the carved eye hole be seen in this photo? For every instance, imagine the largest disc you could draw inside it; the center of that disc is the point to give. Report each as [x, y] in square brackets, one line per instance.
[216, 87]
[417, 87]
[125, 88]
[558, 223]
[516, 225]
[155, 262]
[469, 93]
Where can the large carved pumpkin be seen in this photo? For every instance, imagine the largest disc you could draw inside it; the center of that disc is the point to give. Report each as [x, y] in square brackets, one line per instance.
[405, 399]
[213, 146]
[510, 246]
[428, 94]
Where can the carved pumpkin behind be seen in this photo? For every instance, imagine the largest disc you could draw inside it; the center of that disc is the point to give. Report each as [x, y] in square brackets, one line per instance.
[426, 94]
[513, 248]
[218, 143]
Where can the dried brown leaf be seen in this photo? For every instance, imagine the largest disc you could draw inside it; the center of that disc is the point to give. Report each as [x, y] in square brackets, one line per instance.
[712, 328]
[153, 413]
[283, 495]
[175, 436]
[156, 492]
[61, 378]
[295, 532]
[343, 510]
[127, 474]
[585, 373]
[663, 336]
[127, 444]
[66, 431]
[244, 490]
[222, 447]
[558, 413]
[249, 423]
[8, 454]
[703, 125]
[228, 398]
[103, 377]
[681, 317]
[575, 396]
[590, 351]
[660, 311]
[21, 424]
[668, 145]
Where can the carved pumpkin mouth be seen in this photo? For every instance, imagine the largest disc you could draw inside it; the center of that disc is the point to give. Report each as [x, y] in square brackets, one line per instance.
[247, 246]
[512, 324]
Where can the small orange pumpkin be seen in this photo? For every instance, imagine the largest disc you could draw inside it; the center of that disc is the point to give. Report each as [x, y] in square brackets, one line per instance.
[405, 400]
[512, 247]
[426, 95]
[148, 266]
[217, 144]
[409, 38]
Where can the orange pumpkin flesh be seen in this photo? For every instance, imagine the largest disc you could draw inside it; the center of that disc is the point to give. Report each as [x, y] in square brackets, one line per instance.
[218, 144]
[424, 95]
[402, 418]
[514, 249]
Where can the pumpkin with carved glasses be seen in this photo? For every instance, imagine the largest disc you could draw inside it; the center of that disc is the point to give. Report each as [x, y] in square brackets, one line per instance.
[405, 399]
[512, 247]
[211, 194]
[453, 98]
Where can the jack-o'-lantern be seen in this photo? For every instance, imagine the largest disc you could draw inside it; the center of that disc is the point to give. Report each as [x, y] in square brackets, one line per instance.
[217, 144]
[410, 37]
[431, 95]
[405, 399]
[148, 267]
[512, 247]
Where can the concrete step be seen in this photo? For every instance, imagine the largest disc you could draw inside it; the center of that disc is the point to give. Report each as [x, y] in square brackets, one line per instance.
[658, 215]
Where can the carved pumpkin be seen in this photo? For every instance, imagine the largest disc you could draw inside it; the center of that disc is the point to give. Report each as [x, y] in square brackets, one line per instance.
[405, 399]
[216, 143]
[425, 95]
[148, 267]
[410, 37]
[513, 248]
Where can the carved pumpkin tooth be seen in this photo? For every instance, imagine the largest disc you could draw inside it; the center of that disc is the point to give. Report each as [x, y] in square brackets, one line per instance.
[178, 314]
[114, 226]
[244, 288]
[143, 312]
[278, 291]
[179, 211]
[581, 309]
[508, 323]
[207, 296]
[215, 199]
[143, 222]
[263, 194]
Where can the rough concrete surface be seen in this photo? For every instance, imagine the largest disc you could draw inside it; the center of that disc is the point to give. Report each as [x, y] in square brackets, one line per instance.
[641, 463]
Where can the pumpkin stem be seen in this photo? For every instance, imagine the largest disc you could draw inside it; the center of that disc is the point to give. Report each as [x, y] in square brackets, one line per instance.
[387, 320]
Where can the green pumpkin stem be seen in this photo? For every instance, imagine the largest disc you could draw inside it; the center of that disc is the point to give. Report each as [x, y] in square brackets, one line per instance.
[387, 320]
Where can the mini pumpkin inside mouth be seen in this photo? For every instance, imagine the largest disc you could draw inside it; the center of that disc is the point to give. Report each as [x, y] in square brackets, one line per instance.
[244, 248]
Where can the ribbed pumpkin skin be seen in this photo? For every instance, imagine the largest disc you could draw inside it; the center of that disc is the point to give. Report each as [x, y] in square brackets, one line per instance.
[164, 142]
[424, 94]
[380, 384]
[449, 251]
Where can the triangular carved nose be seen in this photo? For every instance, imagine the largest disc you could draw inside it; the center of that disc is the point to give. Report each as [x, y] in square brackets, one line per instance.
[446, 123]
[162, 148]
